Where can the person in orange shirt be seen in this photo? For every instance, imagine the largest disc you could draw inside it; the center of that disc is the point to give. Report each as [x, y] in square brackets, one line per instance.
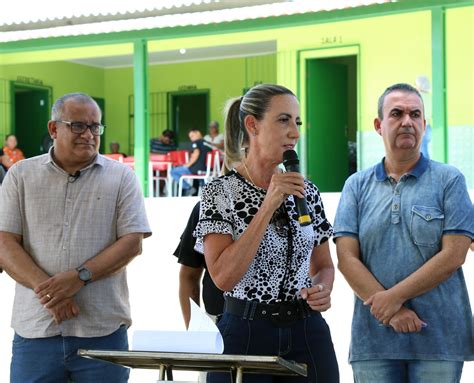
[11, 154]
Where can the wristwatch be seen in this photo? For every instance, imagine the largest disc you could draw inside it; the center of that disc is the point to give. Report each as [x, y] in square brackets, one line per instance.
[84, 274]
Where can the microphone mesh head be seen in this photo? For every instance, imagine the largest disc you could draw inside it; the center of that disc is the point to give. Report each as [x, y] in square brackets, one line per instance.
[290, 155]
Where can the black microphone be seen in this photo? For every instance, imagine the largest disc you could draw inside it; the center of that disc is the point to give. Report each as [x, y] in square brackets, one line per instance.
[292, 164]
[73, 177]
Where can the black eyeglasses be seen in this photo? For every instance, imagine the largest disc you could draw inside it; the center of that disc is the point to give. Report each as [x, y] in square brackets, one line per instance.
[79, 127]
[280, 220]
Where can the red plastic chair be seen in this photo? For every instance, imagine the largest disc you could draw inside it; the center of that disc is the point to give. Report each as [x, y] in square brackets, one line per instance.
[178, 157]
[160, 170]
[213, 170]
[130, 161]
[115, 156]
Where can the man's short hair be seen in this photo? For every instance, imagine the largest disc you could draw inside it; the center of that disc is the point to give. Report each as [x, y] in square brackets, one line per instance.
[168, 133]
[401, 87]
[57, 111]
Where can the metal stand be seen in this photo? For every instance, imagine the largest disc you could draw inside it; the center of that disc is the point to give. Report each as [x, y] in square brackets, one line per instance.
[165, 362]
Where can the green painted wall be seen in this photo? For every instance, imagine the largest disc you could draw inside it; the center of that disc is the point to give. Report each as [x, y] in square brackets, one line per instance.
[62, 77]
[388, 53]
[460, 65]
[65, 54]
[460, 90]
[224, 78]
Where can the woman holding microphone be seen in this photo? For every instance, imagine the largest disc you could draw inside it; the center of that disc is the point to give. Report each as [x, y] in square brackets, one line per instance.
[277, 275]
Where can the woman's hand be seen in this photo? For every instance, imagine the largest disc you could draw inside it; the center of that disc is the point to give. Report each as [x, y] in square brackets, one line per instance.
[317, 297]
[281, 186]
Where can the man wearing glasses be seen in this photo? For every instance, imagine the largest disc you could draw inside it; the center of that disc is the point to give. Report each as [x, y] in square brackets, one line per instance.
[72, 221]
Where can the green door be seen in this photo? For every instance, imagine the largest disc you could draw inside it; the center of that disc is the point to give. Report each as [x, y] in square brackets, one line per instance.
[327, 124]
[31, 118]
[188, 111]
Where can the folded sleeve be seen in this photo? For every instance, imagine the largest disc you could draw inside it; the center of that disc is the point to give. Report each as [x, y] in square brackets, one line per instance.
[321, 226]
[346, 220]
[216, 213]
[131, 213]
[10, 203]
[458, 208]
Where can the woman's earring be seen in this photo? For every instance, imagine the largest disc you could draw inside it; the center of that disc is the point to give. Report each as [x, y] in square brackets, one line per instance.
[254, 133]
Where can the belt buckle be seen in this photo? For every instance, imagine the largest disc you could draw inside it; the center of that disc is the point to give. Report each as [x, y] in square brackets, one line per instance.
[285, 316]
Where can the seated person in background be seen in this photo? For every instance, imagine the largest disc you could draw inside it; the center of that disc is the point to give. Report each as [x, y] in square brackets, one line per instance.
[214, 138]
[163, 144]
[197, 160]
[11, 154]
[115, 148]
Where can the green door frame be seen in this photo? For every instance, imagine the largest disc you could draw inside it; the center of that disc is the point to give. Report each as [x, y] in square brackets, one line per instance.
[14, 85]
[171, 94]
[439, 101]
[302, 93]
[141, 113]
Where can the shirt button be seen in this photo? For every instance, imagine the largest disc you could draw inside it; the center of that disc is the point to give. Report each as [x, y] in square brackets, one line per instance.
[66, 223]
[264, 312]
[64, 247]
[428, 217]
[395, 207]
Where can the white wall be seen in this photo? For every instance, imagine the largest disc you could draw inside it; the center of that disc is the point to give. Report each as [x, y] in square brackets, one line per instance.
[153, 280]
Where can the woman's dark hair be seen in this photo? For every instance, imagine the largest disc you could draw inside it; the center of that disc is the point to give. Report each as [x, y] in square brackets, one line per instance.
[255, 103]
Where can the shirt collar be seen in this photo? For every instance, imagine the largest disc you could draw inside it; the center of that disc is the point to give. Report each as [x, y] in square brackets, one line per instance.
[98, 160]
[419, 168]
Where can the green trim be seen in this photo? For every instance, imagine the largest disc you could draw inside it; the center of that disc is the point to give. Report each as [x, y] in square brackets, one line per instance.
[439, 102]
[141, 115]
[359, 110]
[131, 121]
[376, 10]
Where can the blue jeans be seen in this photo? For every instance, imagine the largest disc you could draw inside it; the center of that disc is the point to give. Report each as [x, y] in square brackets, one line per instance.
[401, 371]
[55, 359]
[179, 171]
[306, 341]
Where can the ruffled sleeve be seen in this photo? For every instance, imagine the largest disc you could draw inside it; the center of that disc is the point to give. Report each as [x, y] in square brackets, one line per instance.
[321, 226]
[215, 215]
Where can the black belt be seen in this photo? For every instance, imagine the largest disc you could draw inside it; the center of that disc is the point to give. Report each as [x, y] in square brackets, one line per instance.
[281, 314]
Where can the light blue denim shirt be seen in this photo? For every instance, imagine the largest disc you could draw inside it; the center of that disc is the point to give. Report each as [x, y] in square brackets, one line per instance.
[399, 227]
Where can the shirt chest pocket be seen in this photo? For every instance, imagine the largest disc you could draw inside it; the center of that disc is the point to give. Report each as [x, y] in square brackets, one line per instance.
[426, 225]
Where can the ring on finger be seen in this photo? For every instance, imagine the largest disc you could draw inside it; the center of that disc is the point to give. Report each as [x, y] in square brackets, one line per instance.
[49, 296]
